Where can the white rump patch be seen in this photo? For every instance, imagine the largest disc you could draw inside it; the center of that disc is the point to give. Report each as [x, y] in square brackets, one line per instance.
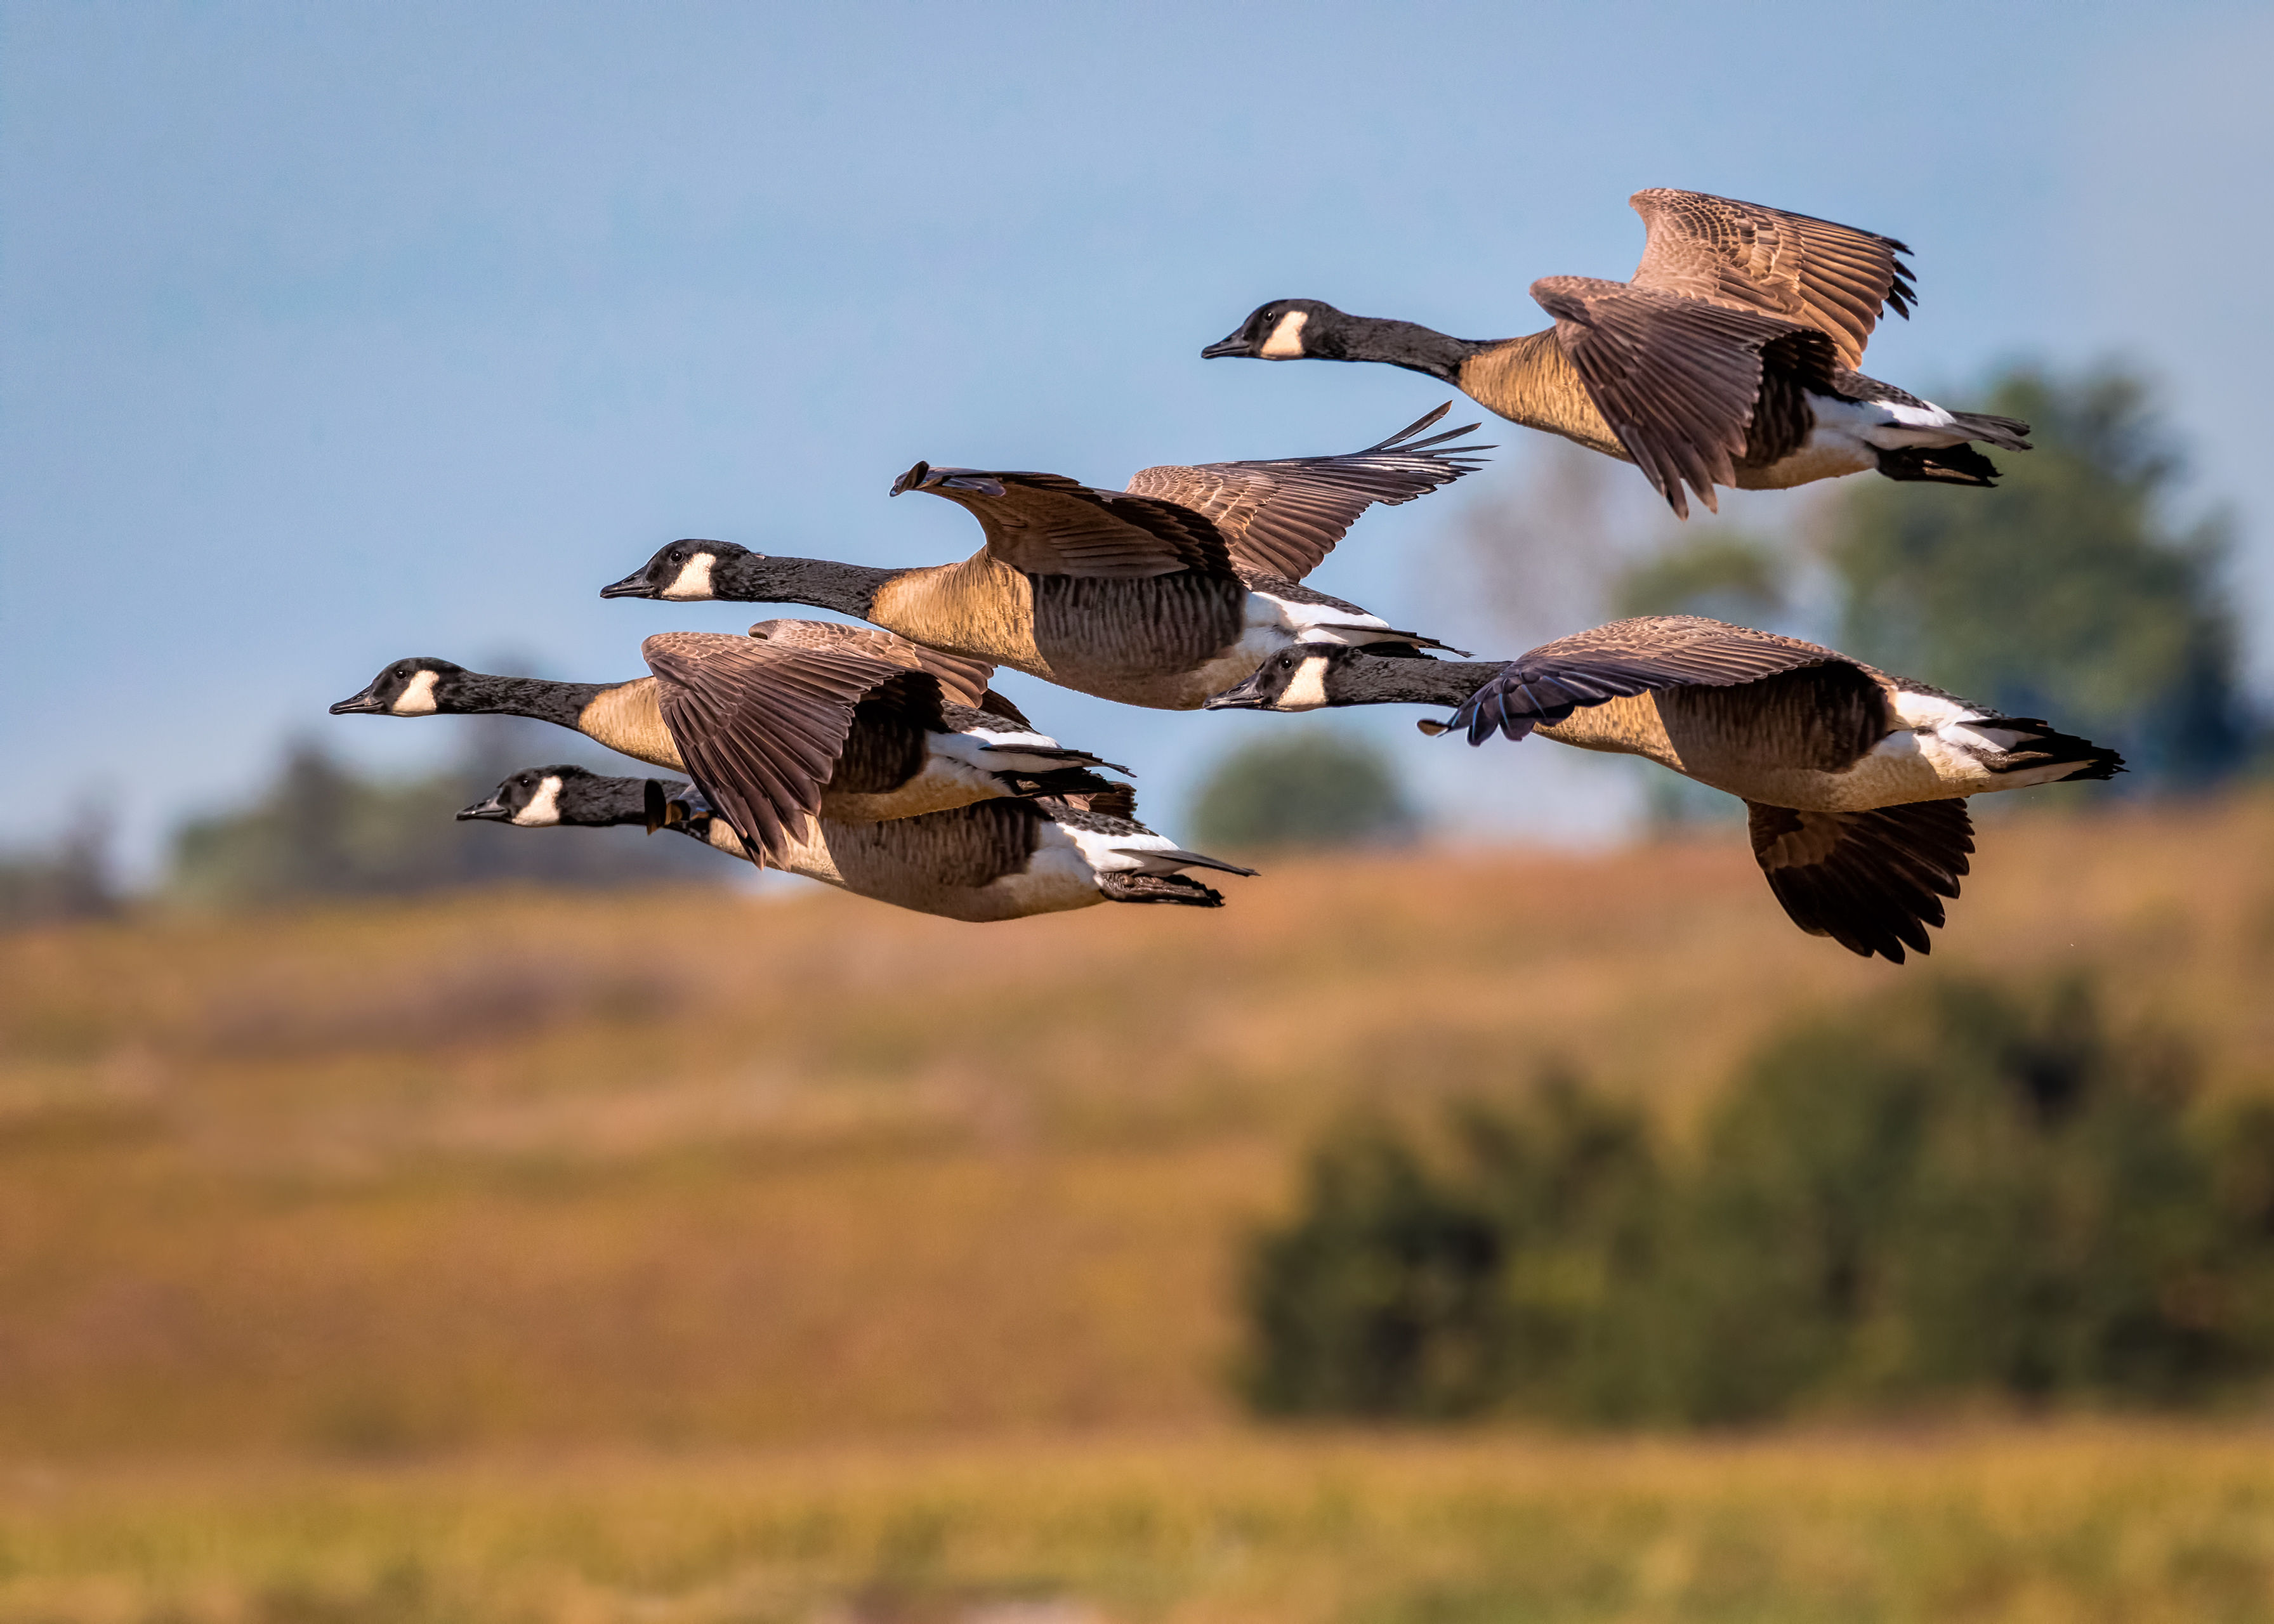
[1286, 340]
[694, 581]
[417, 699]
[544, 808]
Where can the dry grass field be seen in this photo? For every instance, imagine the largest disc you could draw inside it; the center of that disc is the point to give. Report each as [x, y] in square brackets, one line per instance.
[685, 1256]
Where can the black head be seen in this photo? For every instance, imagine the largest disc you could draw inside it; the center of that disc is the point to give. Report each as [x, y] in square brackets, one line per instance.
[680, 571]
[407, 688]
[1284, 330]
[540, 796]
[1303, 676]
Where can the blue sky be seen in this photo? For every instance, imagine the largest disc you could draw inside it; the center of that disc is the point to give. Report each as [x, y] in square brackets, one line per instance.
[342, 332]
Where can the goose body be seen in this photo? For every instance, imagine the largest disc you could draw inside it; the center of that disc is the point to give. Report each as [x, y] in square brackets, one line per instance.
[1729, 358]
[1158, 596]
[1855, 780]
[780, 727]
[988, 860]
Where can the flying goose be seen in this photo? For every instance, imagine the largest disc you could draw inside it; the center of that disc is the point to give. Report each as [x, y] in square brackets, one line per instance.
[989, 860]
[1157, 596]
[1728, 358]
[1853, 781]
[777, 727]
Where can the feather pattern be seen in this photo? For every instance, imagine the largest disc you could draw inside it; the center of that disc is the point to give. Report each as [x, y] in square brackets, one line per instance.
[1282, 517]
[1679, 378]
[761, 728]
[1871, 881]
[1833, 277]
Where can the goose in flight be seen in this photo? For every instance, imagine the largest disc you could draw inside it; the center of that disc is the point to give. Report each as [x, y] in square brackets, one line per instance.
[1728, 358]
[1159, 595]
[777, 727]
[990, 859]
[1853, 781]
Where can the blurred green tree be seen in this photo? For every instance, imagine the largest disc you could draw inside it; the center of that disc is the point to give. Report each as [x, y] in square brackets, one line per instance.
[1310, 787]
[1959, 1191]
[320, 831]
[2066, 593]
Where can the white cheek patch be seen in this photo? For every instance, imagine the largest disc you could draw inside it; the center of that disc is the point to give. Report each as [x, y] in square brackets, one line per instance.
[694, 578]
[544, 808]
[1308, 690]
[417, 699]
[1286, 340]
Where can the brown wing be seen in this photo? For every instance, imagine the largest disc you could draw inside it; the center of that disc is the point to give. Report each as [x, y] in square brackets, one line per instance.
[1807, 270]
[1645, 655]
[960, 680]
[1682, 381]
[1048, 525]
[761, 727]
[1285, 516]
[1871, 881]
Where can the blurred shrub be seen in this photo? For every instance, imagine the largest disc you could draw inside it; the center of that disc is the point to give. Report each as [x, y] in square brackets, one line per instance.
[1957, 1192]
[2067, 592]
[70, 879]
[1306, 788]
[321, 830]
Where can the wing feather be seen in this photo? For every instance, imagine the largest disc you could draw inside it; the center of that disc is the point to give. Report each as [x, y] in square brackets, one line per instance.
[1833, 277]
[1283, 516]
[1046, 524]
[1874, 881]
[762, 726]
[1680, 379]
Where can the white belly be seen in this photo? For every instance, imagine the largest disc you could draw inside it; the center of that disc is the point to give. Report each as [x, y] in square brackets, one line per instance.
[1847, 438]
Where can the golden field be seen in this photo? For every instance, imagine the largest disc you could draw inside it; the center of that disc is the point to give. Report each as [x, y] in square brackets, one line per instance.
[686, 1256]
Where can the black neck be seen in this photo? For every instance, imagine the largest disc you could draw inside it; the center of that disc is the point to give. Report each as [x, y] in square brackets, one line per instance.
[600, 802]
[1370, 680]
[562, 703]
[1400, 343]
[754, 578]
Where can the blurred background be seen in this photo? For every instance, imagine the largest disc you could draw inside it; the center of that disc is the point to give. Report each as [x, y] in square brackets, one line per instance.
[1498, 1211]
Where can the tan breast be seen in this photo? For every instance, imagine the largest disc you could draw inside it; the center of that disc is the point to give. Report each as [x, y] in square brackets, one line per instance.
[1529, 380]
[978, 607]
[630, 719]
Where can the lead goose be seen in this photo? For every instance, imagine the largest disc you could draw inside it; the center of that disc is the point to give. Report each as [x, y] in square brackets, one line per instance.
[1158, 596]
[1728, 358]
[777, 727]
[1853, 781]
[991, 860]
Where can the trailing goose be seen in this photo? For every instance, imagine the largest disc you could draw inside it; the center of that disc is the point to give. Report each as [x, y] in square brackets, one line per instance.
[777, 727]
[988, 860]
[1159, 595]
[1728, 358]
[1853, 781]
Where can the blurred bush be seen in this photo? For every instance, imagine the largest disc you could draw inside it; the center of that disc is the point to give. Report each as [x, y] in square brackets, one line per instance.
[319, 830]
[1957, 1193]
[2069, 592]
[1308, 788]
[68, 879]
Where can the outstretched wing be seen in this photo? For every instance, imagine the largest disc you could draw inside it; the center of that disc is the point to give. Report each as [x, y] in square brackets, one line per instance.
[1873, 881]
[1048, 525]
[1283, 516]
[1833, 277]
[761, 727]
[1645, 655]
[963, 680]
[1680, 381]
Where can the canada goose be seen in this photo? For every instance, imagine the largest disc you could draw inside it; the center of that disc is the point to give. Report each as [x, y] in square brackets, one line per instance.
[1853, 781]
[988, 860]
[1728, 358]
[1157, 596]
[778, 730]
